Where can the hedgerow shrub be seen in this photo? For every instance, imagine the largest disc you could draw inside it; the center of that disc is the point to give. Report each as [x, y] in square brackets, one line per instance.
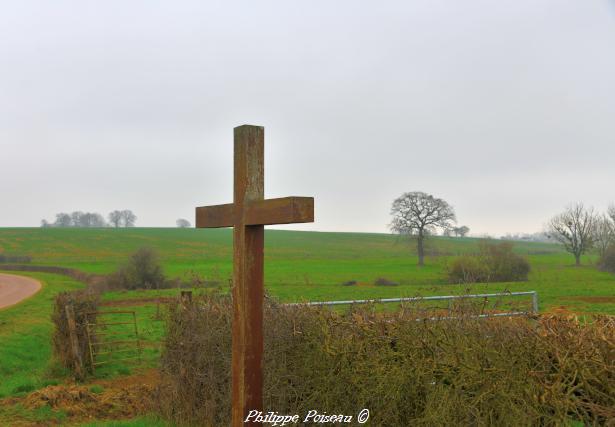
[459, 372]
[607, 260]
[383, 281]
[6, 258]
[493, 263]
[82, 302]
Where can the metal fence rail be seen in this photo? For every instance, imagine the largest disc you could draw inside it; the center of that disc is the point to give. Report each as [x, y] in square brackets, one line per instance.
[534, 295]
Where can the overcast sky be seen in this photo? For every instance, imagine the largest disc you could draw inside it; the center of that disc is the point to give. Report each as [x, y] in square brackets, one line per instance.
[506, 109]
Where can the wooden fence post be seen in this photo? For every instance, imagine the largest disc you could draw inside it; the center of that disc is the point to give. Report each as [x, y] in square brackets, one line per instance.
[535, 302]
[186, 297]
[74, 342]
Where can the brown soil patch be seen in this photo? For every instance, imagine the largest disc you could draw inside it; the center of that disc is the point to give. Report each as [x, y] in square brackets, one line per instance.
[596, 300]
[133, 302]
[561, 310]
[120, 398]
[149, 377]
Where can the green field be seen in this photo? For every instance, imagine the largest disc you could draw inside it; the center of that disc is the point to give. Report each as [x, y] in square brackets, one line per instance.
[312, 266]
[300, 266]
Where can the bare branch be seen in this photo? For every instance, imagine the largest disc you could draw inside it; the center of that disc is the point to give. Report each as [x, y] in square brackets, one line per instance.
[115, 218]
[604, 233]
[575, 229]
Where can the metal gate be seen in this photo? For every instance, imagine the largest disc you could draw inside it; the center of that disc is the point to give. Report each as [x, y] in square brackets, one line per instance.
[112, 336]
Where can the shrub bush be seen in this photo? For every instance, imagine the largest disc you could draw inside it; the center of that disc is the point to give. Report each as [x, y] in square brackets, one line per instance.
[465, 371]
[607, 260]
[382, 281]
[143, 271]
[349, 283]
[468, 269]
[494, 263]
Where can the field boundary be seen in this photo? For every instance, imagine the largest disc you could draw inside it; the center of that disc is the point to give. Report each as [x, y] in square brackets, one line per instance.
[534, 295]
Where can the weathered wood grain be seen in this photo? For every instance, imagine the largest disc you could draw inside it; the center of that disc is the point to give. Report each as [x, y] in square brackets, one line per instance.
[285, 210]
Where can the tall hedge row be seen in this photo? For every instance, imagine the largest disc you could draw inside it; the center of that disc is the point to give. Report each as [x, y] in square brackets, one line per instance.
[505, 372]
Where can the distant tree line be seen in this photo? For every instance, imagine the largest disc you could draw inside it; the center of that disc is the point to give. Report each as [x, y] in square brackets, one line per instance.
[540, 236]
[456, 231]
[124, 218]
[580, 230]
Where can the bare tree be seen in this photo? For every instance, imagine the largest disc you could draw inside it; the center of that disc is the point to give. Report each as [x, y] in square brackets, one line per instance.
[77, 219]
[604, 233]
[115, 218]
[417, 214]
[87, 219]
[575, 229]
[128, 218]
[92, 219]
[183, 223]
[63, 220]
[461, 231]
[611, 212]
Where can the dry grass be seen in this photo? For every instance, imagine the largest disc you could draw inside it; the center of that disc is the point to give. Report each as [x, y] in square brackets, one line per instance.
[79, 404]
[545, 371]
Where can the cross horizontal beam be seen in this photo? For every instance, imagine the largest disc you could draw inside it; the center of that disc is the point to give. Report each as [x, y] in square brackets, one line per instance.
[285, 210]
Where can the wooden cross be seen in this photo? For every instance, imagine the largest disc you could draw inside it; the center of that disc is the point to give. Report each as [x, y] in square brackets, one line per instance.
[249, 213]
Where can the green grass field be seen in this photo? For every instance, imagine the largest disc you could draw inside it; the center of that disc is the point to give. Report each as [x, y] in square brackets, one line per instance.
[312, 266]
[300, 266]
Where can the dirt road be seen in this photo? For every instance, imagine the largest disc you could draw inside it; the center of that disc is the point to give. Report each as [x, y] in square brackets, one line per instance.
[16, 288]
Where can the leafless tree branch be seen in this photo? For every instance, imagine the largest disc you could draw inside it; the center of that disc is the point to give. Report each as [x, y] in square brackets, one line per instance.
[575, 229]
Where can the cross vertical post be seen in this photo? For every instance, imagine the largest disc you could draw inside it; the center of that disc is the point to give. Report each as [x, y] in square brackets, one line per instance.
[248, 288]
[248, 214]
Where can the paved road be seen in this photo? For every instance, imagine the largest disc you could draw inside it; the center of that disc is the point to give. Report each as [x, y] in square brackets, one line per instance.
[16, 288]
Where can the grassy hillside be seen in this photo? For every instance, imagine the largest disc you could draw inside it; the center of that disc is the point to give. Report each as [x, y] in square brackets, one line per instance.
[313, 266]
